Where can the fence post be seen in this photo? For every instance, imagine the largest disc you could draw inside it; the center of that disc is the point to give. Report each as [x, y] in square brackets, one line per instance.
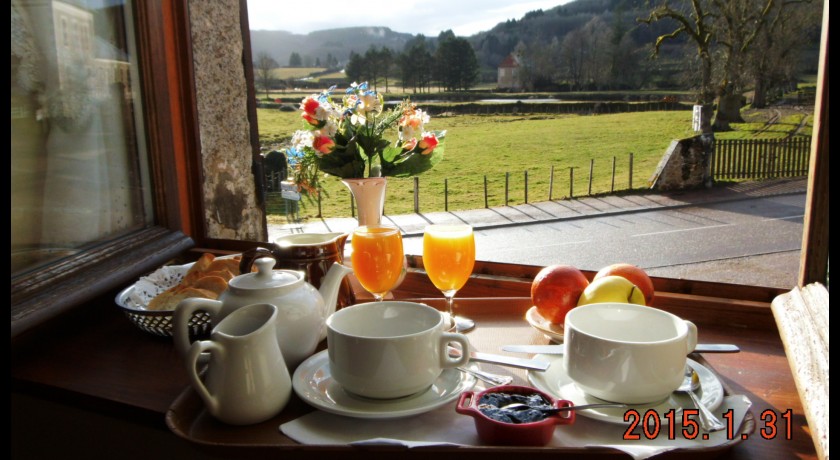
[612, 183]
[507, 187]
[446, 195]
[485, 192]
[631, 172]
[416, 194]
[591, 167]
[571, 182]
[551, 183]
[526, 186]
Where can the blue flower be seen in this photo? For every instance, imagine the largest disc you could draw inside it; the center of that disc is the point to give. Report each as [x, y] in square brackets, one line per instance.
[293, 155]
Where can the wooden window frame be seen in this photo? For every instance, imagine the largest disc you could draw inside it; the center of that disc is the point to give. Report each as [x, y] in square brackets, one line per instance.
[170, 115]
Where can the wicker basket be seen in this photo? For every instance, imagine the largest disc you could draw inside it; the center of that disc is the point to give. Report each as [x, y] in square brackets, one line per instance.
[160, 322]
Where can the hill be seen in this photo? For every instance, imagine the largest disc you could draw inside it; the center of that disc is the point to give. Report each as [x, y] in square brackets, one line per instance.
[322, 45]
[491, 47]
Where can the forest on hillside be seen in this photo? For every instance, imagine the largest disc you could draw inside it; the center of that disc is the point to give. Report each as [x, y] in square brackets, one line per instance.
[585, 45]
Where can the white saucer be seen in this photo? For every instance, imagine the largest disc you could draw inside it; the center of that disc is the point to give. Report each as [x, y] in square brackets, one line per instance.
[552, 331]
[555, 382]
[314, 384]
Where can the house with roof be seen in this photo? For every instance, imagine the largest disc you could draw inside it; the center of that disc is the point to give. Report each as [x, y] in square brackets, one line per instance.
[508, 73]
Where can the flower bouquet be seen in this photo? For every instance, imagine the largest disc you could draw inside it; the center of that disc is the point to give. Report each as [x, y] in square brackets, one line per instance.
[349, 139]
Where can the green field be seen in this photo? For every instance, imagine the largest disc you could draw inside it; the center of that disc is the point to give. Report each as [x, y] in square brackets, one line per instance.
[285, 73]
[497, 146]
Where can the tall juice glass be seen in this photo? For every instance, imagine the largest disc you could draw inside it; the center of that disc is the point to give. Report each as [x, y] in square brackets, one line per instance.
[449, 257]
[378, 259]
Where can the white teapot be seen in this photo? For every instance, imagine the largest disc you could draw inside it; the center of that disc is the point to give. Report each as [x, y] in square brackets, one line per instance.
[303, 310]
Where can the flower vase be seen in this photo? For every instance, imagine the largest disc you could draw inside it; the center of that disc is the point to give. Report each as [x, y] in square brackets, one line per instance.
[369, 194]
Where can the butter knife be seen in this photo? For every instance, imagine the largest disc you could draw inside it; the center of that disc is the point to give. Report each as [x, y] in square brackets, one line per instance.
[522, 363]
[560, 349]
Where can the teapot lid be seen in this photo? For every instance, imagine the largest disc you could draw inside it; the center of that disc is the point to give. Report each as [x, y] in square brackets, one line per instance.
[266, 276]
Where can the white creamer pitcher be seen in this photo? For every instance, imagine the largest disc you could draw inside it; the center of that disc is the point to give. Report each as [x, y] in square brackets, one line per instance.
[247, 380]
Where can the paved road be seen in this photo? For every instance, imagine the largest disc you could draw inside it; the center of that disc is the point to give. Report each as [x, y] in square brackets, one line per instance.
[747, 233]
[658, 240]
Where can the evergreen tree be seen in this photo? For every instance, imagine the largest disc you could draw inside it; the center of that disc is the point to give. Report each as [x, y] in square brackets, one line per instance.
[295, 60]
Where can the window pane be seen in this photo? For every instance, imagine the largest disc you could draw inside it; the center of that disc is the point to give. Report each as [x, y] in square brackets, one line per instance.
[79, 167]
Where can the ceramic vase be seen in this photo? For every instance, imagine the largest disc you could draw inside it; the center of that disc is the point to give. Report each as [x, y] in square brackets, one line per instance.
[369, 194]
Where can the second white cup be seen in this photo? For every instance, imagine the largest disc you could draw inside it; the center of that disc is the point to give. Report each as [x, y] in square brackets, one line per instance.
[625, 352]
[390, 349]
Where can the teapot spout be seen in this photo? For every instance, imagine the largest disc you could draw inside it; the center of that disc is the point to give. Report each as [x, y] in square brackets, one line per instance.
[330, 284]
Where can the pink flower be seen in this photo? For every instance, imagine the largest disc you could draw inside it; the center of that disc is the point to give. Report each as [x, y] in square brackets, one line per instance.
[323, 144]
[310, 107]
[409, 144]
[310, 119]
[428, 143]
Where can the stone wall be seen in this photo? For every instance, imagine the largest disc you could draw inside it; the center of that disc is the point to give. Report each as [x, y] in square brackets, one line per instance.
[685, 165]
[231, 209]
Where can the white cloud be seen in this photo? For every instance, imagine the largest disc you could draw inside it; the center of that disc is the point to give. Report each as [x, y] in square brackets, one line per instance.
[429, 17]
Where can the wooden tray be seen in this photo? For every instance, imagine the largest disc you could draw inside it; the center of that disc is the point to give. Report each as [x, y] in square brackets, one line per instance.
[499, 321]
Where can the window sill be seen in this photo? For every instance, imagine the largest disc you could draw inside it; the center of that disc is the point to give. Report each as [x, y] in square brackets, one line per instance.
[43, 295]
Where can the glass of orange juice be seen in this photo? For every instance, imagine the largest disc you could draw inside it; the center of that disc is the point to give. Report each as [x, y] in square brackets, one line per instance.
[378, 259]
[449, 257]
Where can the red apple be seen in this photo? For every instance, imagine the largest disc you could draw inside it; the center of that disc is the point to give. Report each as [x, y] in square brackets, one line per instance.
[556, 290]
[634, 274]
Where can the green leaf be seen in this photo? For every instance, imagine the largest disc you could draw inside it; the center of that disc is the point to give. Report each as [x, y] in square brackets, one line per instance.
[390, 153]
[414, 164]
[343, 162]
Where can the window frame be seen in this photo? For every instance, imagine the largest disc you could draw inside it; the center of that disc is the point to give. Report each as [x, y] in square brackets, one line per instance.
[173, 140]
[169, 111]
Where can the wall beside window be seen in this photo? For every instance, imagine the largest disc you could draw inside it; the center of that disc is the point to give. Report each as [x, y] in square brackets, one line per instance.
[231, 208]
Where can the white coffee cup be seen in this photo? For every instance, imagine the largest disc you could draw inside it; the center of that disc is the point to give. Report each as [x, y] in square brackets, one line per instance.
[390, 349]
[626, 352]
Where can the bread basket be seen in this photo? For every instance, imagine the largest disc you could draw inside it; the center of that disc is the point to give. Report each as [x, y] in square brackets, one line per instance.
[134, 299]
[159, 322]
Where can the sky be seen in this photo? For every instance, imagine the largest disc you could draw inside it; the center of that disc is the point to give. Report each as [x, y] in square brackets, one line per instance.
[427, 17]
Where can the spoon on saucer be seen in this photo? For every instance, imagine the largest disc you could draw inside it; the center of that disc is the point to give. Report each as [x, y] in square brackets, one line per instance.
[691, 382]
[492, 379]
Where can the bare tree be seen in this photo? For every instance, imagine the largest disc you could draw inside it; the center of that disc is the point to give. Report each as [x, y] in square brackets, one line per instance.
[735, 27]
[697, 24]
[264, 67]
[775, 61]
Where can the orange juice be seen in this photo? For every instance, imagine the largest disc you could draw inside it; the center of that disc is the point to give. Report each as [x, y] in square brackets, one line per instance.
[449, 255]
[378, 259]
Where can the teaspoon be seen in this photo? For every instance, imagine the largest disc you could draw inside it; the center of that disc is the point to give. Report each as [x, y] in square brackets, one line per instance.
[554, 410]
[708, 421]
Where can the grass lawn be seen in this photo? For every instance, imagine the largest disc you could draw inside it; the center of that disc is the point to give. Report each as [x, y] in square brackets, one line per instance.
[495, 146]
[500, 146]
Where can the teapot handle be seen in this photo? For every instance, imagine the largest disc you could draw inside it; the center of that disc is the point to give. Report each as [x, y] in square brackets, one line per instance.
[181, 320]
[246, 263]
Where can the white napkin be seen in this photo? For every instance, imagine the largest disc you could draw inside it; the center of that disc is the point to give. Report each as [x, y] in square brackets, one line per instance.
[444, 426]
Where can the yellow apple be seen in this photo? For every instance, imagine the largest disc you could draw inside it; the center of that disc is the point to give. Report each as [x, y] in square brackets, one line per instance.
[612, 288]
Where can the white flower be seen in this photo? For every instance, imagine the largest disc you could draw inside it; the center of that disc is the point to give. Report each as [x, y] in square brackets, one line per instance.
[370, 103]
[322, 112]
[303, 139]
[330, 128]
